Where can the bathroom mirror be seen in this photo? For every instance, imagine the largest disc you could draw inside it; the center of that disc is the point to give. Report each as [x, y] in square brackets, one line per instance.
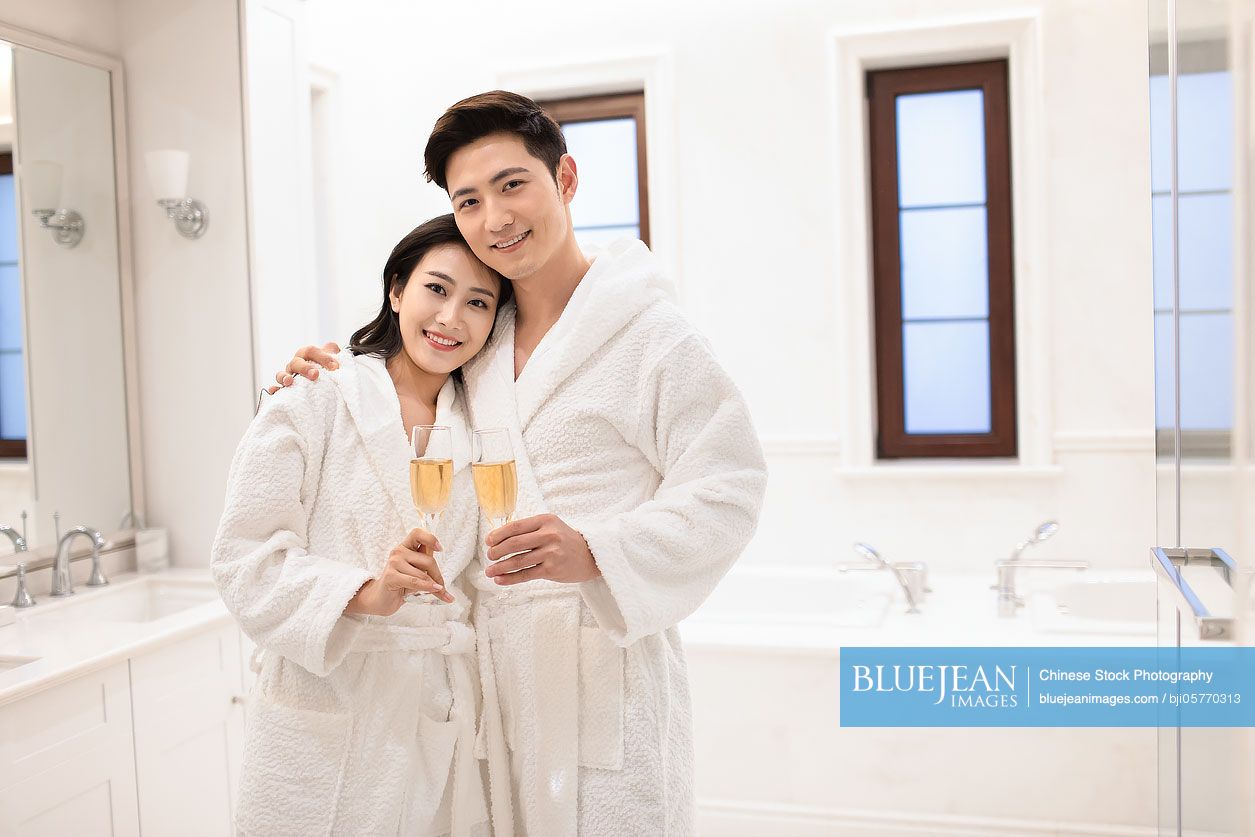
[64, 440]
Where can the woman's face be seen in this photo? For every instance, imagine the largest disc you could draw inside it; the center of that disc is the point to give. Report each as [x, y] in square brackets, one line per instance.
[446, 309]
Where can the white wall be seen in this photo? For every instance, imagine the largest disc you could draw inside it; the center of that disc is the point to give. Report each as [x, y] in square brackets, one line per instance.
[192, 298]
[755, 204]
[90, 24]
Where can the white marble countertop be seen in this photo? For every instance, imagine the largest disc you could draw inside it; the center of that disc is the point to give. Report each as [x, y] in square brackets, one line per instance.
[65, 646]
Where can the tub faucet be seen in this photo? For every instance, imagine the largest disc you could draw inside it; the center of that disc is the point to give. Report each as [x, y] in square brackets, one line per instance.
[61, 585]
[912, 576]
[19, 542]
[1008, 601]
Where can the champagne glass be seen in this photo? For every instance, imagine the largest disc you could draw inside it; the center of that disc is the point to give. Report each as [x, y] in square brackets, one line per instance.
[495, 476]
[431, 472]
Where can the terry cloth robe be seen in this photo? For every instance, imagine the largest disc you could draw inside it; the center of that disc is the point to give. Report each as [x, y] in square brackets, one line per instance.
[357, 725]
[626, 427]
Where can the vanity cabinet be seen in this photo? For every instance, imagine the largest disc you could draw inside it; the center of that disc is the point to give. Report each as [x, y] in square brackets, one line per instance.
[149, 745]
[67, 761]
[189, 722]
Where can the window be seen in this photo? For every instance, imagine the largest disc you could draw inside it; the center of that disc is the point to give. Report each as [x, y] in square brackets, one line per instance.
[1205, 244]
[606, 136]
[942, 261]
[12, 368]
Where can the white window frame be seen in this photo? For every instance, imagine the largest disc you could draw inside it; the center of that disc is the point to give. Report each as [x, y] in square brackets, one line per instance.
[852, 53]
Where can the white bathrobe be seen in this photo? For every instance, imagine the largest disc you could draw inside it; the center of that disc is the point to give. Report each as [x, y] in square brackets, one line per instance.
[358, 725]
[626, 427]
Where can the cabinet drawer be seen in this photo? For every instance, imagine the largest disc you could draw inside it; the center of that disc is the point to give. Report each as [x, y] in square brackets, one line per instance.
[63, 722]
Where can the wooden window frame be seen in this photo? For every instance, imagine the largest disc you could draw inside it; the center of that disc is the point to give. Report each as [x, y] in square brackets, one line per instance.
[10, 448]
[883, 87]
[612, 106]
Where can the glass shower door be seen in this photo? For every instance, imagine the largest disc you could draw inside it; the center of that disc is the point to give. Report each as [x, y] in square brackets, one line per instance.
[1200, 95]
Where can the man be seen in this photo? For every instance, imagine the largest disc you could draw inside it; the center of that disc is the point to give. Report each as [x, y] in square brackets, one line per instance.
[640, 482]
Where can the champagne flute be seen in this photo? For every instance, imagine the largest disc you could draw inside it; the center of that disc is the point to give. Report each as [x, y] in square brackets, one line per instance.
[431, 472]
[495, 476]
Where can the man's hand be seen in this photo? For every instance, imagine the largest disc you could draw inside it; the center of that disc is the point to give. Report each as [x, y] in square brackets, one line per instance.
[307, 362]
[411, 568]
[554, 551]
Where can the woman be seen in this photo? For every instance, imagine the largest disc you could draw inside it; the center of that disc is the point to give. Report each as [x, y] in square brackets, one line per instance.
[362, 720]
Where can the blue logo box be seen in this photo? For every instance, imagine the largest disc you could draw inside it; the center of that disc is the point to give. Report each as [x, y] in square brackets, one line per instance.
[1047, 687]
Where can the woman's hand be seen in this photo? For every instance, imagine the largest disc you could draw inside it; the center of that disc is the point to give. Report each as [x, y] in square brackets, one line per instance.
[307, 362]
[411, 568]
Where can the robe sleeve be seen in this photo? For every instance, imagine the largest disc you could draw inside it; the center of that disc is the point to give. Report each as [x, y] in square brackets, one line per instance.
[661, 560]
[286, 600]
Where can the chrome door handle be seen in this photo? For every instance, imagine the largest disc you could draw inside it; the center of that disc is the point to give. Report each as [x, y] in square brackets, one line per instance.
[1213, 620]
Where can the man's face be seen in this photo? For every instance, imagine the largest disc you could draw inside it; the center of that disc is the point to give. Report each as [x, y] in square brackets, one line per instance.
[507, 205]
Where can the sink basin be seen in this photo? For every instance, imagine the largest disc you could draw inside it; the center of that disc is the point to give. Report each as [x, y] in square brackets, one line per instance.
[10, 663]
[1125, 606]
[145, 600]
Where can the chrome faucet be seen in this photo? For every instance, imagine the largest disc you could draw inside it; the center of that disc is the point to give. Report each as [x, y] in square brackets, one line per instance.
[19, 542]
[1008, 601]
[912, 576]
[61, 585]
[21, 596]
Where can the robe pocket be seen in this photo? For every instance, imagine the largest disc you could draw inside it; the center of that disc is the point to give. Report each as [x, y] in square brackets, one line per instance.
[433, 764]
[293, 767]
[601, 701]
[503, 672]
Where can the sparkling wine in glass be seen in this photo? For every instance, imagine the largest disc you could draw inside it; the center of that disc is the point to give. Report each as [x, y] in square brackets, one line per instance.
[431, 471]
[431, 475]
[495, 476]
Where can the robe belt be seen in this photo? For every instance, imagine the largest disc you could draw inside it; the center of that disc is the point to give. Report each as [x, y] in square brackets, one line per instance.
[544, 625]
[456, 640]
[452, 637]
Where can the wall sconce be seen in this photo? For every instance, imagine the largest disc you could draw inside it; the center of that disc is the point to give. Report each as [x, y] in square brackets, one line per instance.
[41, 180]
[167, 174]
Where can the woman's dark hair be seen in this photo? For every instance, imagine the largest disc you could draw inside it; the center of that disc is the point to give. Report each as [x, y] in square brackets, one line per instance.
[498, 111]
[381, 337]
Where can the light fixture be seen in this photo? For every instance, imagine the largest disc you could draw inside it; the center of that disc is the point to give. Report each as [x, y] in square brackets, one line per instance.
[167, 174]
[41, 180]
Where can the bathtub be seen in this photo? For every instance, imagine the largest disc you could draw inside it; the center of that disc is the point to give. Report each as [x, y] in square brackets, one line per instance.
[763, 656]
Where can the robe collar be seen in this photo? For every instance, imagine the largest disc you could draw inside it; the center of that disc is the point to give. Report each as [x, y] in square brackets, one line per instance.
[372, 402]
[623, 281]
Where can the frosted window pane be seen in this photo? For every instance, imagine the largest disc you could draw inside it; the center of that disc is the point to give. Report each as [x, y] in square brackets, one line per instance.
[605, 156]
[8, 220]
[941, 148]
[946, 377]
[944, 270]
[1206, 241]
[1205, 131]
[10, 308]
[1160, 135]
[1206, 371]
[12, 397]
[1164, 393]
[1161, 249]
[602, 236]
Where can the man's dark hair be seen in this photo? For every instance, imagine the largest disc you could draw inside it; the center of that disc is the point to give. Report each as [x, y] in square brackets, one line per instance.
[381, 337]
[496, 112]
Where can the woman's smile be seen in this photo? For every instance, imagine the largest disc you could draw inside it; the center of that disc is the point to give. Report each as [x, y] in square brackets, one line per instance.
[440, 342]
